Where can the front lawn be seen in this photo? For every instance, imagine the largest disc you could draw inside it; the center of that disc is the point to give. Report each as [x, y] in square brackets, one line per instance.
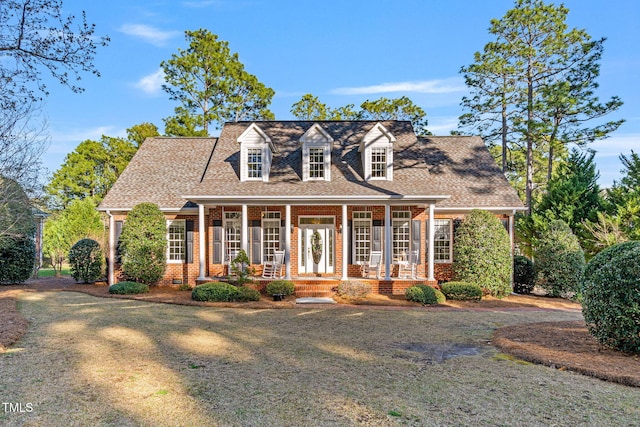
[93, 361]
[50, 272]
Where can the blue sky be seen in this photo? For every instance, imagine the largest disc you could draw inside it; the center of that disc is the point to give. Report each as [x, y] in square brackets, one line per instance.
[341, 51]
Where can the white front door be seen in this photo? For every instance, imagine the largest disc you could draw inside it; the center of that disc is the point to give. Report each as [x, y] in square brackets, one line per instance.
[318, 239]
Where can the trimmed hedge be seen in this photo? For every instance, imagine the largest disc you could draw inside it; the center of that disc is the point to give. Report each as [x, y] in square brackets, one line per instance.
[423, 294]
[127, 288]
[524, 275]
[482, 253]
[248, 294]
[559, 260]
[215, 292]
[85, 258]
[17, 256]
[611, 297]
[462, 291]
[281, 287]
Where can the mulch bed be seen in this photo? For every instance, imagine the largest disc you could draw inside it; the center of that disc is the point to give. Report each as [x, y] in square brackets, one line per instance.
[562, 345]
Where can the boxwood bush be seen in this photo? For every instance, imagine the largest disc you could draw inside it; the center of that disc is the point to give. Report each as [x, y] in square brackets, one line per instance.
[462, 291]
[125, 288]
[17, 256]
[248, 294]
[611, 297]
[215, 292]
[423, 294]
[85, 258]
[559, 260]
[524, 275]
[281, 287]
[482, 253]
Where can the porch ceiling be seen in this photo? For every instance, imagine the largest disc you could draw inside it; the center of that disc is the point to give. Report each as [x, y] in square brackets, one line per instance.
[317, 200]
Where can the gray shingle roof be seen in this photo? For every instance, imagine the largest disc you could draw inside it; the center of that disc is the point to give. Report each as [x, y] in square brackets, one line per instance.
[164, 169]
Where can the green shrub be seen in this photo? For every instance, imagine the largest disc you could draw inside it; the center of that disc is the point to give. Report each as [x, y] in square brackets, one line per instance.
[422, 293]
[611, 297]
[126, 288]
[462, 291]
[559, 260]
[184, 287]
[414, 294]
[143, 244]
[281, 287]
[215, 292]
[354, 289]
[241, 269]
[482, 253]
[248, 294]
[440, 296]
[17, 256]
[85, 258]
[524, 275]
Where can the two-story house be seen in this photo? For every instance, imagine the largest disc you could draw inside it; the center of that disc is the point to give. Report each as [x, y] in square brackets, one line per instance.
[328, 193]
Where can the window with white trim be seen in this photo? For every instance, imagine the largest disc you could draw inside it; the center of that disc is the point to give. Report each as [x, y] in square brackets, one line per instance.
[232, 232]
[270, 234]
[254, 163]
[442, 240]
[401, 233]
[378, 163]
[361, 236]
[316, 163]
[176, 241]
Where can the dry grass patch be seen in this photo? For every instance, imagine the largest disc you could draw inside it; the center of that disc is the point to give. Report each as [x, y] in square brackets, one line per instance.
[94, 361]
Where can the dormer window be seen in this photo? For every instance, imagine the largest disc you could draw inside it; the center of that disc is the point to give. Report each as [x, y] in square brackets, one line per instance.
[254, 163]
[256, 151]
[376, 150]
[316, 154]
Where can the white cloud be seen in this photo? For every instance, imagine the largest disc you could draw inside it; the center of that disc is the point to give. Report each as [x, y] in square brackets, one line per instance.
[616, 145]
[442, 125]
[454, 84]
[202, 3]
[152, 83]
[148, 33]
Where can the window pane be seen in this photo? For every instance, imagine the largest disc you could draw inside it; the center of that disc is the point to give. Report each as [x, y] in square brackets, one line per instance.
[176, 235]
[401, 230]
[254, 163]
[378, 162]
[316, 163]
[271, 237]
[442, 240]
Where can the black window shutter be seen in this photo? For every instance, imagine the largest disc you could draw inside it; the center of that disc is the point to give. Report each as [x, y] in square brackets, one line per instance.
[377, 231]
[217, 242]
[189, 246]
[256, 242]
[347, 232]
[118, 232]
[415, 236]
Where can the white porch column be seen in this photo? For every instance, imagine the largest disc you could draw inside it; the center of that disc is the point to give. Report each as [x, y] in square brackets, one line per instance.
[287, 241]
[430, 240]
[345, 243]
[112, 249]
[201, 240]
[245, 229]
[388, 244]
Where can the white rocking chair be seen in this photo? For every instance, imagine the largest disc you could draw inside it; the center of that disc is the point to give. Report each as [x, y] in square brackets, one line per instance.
[407, 268]
[273, 269]
[374, 264]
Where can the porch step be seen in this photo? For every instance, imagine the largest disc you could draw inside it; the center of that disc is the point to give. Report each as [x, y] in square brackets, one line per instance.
[315, 289]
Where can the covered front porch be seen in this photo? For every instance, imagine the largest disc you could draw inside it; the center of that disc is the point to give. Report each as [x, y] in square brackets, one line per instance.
[324, 240]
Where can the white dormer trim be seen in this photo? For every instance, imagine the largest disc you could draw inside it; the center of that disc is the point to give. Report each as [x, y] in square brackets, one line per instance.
[316, 138]
[253, 138]
[378, 141]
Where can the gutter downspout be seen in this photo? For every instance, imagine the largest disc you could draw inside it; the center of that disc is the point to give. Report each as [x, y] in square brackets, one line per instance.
[112, 249]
